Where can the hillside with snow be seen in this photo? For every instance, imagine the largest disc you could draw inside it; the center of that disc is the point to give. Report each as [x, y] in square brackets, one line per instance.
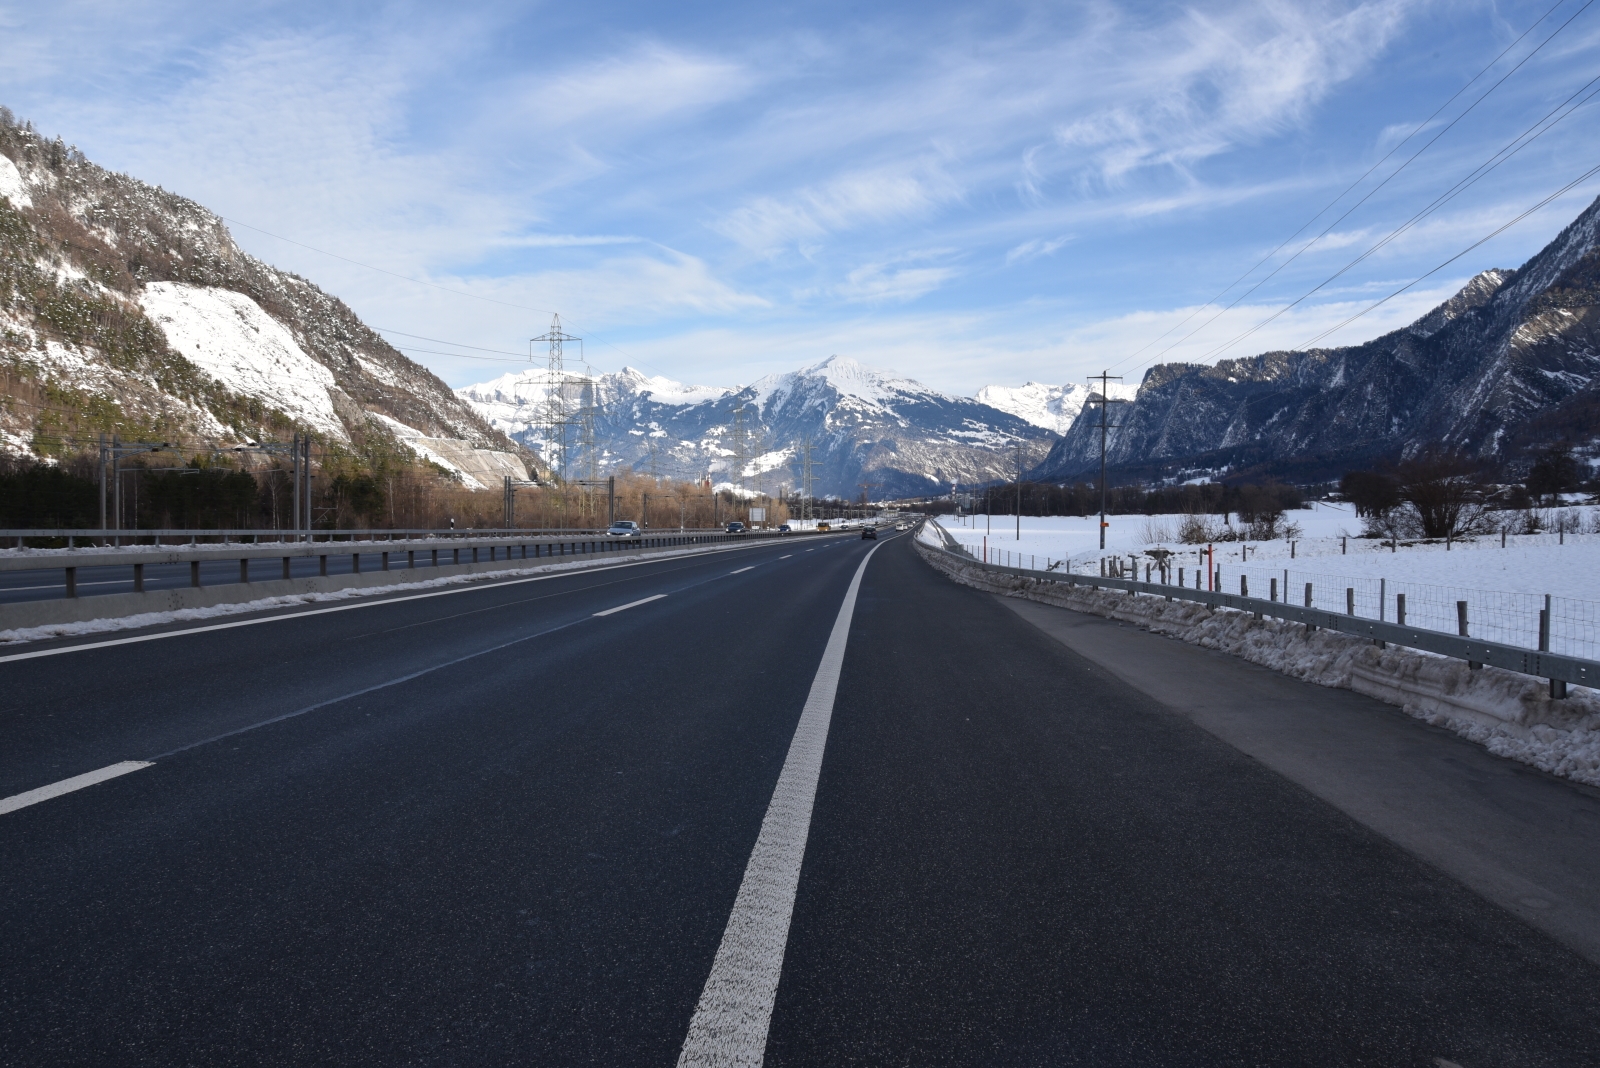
[129, 310]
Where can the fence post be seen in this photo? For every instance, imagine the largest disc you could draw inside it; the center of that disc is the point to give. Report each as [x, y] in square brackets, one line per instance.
[1272, 590]
[1400, 609]
[1349, 600]
[1309, 626]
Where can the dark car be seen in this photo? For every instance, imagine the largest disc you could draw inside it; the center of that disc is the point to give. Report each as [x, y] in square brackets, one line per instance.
[785, 529]
[735, 528]
[624, 528]
[869, 533]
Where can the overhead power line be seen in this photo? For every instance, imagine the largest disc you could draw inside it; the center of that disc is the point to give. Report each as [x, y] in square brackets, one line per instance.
[1419, 127]
[1585, 176]
[1511, 148]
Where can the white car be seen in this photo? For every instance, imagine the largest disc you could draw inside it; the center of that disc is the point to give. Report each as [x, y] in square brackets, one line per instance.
[624, 528]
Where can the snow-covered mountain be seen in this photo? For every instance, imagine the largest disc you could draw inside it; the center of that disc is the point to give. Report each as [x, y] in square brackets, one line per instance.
[1054, 408]
[128, 309]
[865, 428]
[1510, 362]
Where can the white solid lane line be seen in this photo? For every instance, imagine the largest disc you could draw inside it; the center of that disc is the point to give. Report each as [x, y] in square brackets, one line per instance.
[66, 786]
[630, 604]
[742, 570]
[730, 1023]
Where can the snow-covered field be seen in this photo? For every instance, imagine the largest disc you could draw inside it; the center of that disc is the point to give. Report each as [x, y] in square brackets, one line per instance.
[1505, 588]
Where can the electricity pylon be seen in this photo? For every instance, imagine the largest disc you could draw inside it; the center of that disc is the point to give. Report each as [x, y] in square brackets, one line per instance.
[556, 416]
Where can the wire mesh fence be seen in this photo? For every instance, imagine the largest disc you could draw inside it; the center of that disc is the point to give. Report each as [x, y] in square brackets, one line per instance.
[1565, 625]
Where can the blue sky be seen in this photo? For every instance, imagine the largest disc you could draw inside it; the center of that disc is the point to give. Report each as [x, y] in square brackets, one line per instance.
[965, 194]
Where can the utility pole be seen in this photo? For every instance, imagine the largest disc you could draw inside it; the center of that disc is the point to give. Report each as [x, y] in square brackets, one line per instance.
[1019, 489]
[611, 499]
[1105, 401]
[510, 503]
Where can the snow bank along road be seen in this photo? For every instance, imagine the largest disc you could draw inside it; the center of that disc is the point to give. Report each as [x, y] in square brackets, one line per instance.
[562, 821]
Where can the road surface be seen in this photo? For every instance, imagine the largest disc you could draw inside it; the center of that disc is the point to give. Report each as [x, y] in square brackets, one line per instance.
[509, 825]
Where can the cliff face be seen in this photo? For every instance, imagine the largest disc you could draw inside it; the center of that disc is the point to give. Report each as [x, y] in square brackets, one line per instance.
[1510, 360]
[125, 308]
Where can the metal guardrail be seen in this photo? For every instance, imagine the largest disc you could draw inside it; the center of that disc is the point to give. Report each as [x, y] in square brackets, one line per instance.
[542, 548]
[1558, 668]
[254, 534]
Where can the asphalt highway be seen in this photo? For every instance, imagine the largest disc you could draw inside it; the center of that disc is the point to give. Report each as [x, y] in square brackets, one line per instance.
[508, 825]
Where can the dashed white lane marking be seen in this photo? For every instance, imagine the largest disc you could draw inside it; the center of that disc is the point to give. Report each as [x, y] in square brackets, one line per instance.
[785, 557]
[730, 1022]
[630, 604]
[66, 786]
[742, 570]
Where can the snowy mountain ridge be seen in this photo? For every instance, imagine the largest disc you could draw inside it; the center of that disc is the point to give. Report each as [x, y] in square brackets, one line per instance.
[1510, 362]
[866, 428]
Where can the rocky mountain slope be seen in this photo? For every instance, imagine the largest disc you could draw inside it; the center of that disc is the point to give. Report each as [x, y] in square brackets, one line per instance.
[128, 309]
[865, 427]
[1511, 361]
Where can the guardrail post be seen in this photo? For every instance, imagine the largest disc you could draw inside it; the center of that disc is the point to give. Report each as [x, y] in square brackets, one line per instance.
[1461, 629]
[322, 565]
[194, 574]
[72, 581]
[138, 578]
[385, 566]
[436, 558]
[411, 558]
[1558, 687]
[286, 567]
[355, 563]
[244, 569]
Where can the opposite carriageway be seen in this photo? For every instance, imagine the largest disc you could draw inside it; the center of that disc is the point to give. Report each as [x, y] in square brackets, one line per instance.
[43, 587]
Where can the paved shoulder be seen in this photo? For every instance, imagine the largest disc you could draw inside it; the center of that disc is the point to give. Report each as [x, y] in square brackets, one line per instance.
[1017, 858]
[1524, 839]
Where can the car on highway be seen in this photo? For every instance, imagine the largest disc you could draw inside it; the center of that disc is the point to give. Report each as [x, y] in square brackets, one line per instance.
[624, 528]
[736, 527]
[823, 528]
[784, 528]
[869, 533]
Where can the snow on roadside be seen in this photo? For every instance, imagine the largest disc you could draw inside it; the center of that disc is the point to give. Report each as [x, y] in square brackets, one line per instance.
[1508, 713]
